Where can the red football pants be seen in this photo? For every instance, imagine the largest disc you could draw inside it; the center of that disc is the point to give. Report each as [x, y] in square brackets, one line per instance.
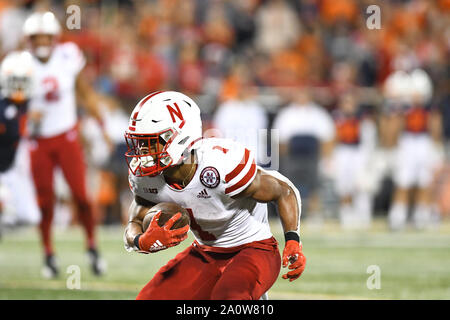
[198, 275]
[65, 152]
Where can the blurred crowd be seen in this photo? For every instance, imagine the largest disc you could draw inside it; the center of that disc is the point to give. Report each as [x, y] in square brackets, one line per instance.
[310, 69]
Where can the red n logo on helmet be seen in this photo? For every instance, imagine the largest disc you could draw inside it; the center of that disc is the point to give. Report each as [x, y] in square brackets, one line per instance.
[177, 113]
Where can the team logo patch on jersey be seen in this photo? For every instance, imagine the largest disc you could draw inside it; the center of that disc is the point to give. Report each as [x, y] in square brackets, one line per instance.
[210, 177]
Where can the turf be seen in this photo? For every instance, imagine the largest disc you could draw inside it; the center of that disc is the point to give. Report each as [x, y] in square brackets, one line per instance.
[413, 265]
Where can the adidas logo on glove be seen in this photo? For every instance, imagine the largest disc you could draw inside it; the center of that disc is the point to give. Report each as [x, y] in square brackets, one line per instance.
[157, 246]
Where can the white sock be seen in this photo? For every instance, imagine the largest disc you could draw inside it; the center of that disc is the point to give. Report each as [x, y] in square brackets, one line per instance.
[346, 215]
[422, 216]
[363, 209]
[398, 215]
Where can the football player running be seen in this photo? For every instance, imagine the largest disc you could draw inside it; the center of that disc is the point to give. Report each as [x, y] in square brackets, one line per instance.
[53, 118]
[234, 255]
[419, 146]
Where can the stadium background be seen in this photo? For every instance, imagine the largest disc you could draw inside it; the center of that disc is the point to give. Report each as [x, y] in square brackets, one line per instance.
[217, 51]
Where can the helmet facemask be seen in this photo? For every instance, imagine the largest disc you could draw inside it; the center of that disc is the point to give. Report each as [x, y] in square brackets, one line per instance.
[16, 76]
[147, 153]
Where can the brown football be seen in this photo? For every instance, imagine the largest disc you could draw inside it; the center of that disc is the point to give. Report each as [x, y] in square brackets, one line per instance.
[168, 209]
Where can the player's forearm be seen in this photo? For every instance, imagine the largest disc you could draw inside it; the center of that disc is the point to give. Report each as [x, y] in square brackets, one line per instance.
[134, 227]
[131, 232]
[326, 149]
[89, 98]
[91, 102]
[288, 209]
[273, 186]
[435, 125]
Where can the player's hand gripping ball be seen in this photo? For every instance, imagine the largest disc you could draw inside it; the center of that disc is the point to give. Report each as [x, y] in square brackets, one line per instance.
[165, 226]
[293, 254]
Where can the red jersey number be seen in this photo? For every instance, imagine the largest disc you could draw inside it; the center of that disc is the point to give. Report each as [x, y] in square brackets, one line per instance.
[51, 89]
[204, 235]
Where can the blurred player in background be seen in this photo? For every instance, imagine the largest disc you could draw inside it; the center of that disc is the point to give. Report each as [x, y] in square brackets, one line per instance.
[16, 86]
[107, 170]
[354, 145]
[55, 142]
[306, 132]
[234, 255]
[408, 93]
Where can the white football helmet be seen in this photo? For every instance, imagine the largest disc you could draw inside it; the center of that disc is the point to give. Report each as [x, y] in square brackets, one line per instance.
[421, 86]
[397, 86]
[42, 23]
[16, 73]
[163, 128]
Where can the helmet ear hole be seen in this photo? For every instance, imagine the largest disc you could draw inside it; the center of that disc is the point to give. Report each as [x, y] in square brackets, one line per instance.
[165, 137]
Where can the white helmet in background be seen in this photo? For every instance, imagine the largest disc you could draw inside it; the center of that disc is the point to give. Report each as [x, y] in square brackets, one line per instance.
[397, 86]
[162, 128]
[42, 23]
[16, 73]
[421, 87]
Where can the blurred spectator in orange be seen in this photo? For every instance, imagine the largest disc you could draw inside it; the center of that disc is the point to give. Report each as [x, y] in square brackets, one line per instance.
[217, 29]
[289, 68]
[332, 11]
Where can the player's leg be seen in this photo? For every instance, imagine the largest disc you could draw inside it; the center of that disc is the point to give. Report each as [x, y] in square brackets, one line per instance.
[42, 165]
[189, 276]
[20, 183]
[71, 162]
[250, 274]
[405, 176]
[421, 215]
[344, 176]
[363, 207]
[429, 162]
[398, 212]
[362, 189]
[70, 159]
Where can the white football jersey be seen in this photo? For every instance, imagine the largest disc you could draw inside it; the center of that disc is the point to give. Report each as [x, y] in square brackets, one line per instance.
[54, 89]
[225, 168]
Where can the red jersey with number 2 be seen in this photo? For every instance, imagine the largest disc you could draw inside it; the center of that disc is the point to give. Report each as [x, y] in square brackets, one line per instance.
[54, 89]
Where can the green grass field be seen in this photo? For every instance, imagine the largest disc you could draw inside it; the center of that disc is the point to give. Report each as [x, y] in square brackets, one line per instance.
[414, 265]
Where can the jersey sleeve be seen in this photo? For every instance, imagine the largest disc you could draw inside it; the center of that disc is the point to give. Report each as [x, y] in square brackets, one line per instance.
[240, 169]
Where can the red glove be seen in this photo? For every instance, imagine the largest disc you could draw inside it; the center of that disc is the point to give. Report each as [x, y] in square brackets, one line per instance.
[292, 254]
[157, 238]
